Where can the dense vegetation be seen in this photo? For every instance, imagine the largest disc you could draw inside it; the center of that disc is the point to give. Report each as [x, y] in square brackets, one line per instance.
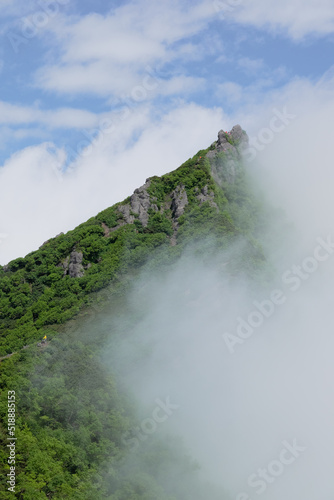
[35, 294]
[71, 414]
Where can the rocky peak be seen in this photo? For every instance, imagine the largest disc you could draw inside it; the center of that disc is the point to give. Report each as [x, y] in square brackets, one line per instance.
[238, 135]
[225, 156]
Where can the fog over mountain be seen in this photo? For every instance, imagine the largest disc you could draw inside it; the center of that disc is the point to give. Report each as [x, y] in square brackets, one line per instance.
[219, 346]
[246, 369]
[166, 311]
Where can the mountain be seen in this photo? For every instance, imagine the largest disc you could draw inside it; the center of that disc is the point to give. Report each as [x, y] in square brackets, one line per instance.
[72, 414]
[206, 196]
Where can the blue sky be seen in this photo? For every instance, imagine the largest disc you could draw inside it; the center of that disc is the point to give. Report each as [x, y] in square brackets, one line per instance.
[149, 84]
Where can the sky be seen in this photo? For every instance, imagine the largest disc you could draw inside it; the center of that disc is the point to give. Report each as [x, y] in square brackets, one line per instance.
[97, 96]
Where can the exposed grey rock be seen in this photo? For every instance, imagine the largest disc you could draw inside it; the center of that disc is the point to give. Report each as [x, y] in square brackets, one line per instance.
[179, 201]
[204, 196]
[178, 204]
[64, 264]
[225, 158]
[125, 210]
[223, 143]
[237, 133]
[72, 265]
[140, 203]
[75, 268]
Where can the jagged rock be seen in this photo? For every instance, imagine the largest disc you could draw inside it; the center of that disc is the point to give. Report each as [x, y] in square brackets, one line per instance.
[222, 143]
[140, 202]
[179, 201]
[75, 268]
[225, 167]
[64, 264]
[72, 265]
[125, 210]
[237, 134]
[204, 195]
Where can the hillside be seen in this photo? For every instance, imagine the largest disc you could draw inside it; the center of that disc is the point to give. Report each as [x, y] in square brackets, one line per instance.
[206, 196]
[72, 413]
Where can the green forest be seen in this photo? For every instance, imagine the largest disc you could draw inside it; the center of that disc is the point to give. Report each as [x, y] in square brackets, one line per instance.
[71, 413]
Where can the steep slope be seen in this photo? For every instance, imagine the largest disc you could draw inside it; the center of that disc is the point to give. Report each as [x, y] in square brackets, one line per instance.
[206, 196]
[72, 414]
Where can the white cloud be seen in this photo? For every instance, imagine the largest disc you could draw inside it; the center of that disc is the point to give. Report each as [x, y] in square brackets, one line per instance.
[294, 164]
[93, 60]
[8, 134]
[12, 114]
[295, 18]
[107, 55]
[120, 163]
[251, 65]
[98, 77]
[46, 201]
[229, 91]
[181, 85]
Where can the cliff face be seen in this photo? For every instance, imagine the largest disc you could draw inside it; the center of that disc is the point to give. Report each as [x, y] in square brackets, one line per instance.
[193, 202]
[225, 158]
[224, 162]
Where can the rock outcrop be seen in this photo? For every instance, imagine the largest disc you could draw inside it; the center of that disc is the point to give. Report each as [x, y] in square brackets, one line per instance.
[125, 210]
[177, 206]
[204, 196]
[225, 156]
[140, 203]
[75, 268]
[238, 135]
[72, 265]
[179, 201]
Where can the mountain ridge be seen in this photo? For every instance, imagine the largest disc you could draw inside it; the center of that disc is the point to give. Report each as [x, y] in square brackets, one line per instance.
[206, 197]
[76, 418]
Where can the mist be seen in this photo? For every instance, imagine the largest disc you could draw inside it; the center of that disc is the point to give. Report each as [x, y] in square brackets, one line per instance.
[238, 371]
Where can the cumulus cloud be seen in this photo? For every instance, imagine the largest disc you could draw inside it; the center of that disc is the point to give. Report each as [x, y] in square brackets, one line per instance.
[142, 142]
[48, 199]
[13, 114]
[231, 91]
[296, 19]
[107, 54]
